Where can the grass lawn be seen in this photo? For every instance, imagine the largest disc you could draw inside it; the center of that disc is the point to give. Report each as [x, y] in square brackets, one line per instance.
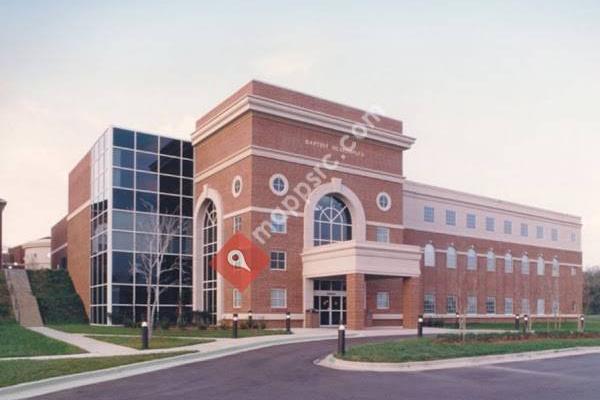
[16, 341]
[157, 342]
[191, 332]
[19, 371]
[592, 324]
[428, 349]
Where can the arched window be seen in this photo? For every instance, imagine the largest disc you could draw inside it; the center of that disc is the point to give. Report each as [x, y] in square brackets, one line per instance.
[209, 249]
[472, 259]
[540, 266]
[555, 267]
[429, 255]
[525, 265]
[332, 220]
[508, 263]
[491, 261]
[451, 257]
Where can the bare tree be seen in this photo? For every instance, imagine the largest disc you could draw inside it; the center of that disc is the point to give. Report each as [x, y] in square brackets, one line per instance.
[152, 264]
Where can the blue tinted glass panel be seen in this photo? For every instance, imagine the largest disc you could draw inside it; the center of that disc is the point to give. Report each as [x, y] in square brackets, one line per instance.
[122, 178]
[123, 199]
[146, 181]
[146, 222]
[145, 202]
[187, 226]
[146, 243]
[147, 142]
[123, 158]
[122, 294]
[186, 245]
[188, 168]
[146, 162]
[169, 204]
[122, 268]
[123, 220]
[170, 146]
[186, 270]
[169, 184]
[187, 150]
[123, 241]
[170, 165]
[187, 206]
[187, 186]
[123, 138]
[170, 277]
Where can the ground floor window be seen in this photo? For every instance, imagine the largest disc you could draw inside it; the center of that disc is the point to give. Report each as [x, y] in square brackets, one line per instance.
[451, 304]
[525, 306]
[383, 300]
[429, 304]
[541, 306]
[471, 305]
[237, 298]
[508, 305]
[490, 305]
[278, 298]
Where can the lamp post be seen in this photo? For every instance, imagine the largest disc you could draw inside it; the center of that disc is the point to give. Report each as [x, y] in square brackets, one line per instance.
[234, 331]
[250, 319]
[2, 205]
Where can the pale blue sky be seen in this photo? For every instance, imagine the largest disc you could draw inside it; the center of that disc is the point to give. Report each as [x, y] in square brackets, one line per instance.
[503, 97]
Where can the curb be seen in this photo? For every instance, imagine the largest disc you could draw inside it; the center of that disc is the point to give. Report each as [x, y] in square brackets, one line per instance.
[50, 385]
[465, 362]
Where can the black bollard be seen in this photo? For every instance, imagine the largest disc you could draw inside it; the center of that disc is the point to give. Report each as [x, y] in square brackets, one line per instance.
[420, 326]
[288, 323]
[250, 319]
[457, 323]
[582, 322]
[517, 322]
[234, 331]
[525, 323]
[342, 340]
[144, 335]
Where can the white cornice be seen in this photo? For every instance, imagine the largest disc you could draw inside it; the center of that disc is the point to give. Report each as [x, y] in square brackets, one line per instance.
[295, 113]
[265, 152]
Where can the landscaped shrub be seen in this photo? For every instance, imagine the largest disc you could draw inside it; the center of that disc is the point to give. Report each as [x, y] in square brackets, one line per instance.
[5, 302]
[513, 336]
[56, 297]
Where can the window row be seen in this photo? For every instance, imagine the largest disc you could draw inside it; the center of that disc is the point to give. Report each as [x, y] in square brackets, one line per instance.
[151, 243]
[152, 163]
[489, 223]
[151, 202]
[429, 260]
[278, 298]
[152, 223]
[152, 143]
[429, 306]
[151, 182]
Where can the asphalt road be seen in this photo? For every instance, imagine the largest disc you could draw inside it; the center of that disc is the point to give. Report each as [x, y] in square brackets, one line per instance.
[288, 373]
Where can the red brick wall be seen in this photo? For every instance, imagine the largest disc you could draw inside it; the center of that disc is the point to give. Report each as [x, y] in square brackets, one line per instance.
[58, 238]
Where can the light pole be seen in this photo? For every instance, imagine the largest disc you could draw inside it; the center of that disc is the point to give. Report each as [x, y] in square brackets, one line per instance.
[2, 205]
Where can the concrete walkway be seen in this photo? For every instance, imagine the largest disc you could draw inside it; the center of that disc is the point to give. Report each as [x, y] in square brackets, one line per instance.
[25, 305]
[93, 347]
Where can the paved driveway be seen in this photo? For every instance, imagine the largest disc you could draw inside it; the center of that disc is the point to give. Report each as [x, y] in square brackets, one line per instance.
[287, 372]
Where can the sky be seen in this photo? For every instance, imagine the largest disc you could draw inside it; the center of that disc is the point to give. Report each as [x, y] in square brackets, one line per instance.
[502, 96]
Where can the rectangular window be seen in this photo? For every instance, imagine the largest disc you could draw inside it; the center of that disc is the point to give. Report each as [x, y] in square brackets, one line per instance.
[383, 300]
[539, 232]
[237, 298]
[525, 306]
[382, 234]
[429, 214]
[278, 260]
[573, 237]
[490, 224]
[508, 305]
[451, 304]
[490, 305]
[472, 305]
[451, 258]
[278, 298]
[541, 306]
[524, 230]
[278, 223]
[525, 266]
[554, 235]
[237, 223]
[471, 221]
[429, 304]
[508, 227]
[451, 217]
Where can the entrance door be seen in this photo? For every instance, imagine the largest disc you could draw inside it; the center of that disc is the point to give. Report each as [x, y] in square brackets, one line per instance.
[331, 308]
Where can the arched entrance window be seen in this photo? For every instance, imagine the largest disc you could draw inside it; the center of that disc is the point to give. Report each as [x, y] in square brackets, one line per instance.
[209, 249]
[333, 222]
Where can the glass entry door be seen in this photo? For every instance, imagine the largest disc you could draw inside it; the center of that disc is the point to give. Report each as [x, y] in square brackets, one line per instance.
[331, 308]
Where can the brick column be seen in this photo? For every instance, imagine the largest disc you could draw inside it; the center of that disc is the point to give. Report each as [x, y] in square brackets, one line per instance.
[356, 290]
[412, 301]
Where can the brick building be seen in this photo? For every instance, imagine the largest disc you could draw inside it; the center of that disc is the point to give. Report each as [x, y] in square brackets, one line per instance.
[319, 188]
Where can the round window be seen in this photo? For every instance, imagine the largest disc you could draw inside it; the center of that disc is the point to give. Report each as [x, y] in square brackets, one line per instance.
[278, 184]
[236, 186]
[384, 202]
